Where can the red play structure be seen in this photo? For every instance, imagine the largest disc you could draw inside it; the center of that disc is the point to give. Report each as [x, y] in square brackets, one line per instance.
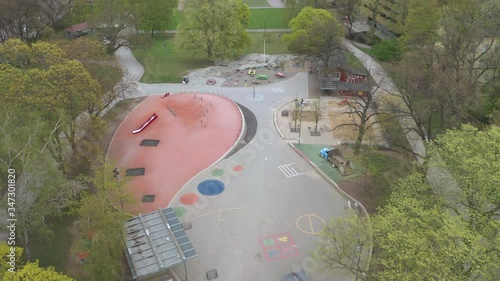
[149, 121]
[343, 102]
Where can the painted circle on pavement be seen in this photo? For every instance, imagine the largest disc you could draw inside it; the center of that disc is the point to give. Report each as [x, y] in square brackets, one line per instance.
[180, 211]
[189, 198]
[310, 224]
[217, 172]
[237, 168]
[211, 187]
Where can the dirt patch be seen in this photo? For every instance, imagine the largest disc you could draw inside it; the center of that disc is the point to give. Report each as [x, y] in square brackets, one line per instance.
[364, 188]
[339, 115]
[357, 189]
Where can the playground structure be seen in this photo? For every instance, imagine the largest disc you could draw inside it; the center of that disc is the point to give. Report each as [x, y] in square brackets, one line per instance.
[343, 102]
[295, 276]
[211, 123]
[334, 155]
[145, 124]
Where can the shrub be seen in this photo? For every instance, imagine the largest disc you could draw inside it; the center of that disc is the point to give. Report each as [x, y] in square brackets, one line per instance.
[388, 50]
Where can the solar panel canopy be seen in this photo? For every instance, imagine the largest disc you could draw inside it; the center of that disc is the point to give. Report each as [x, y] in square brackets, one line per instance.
[156, 242]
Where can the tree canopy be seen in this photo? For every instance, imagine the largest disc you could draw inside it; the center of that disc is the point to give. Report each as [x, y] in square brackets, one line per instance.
[214, 30]
[315, 33]
[59, 82]
[154, 15]
[28, 271]
[472, 158]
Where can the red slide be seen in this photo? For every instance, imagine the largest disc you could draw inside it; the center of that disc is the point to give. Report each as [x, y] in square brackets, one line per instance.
[149, 121]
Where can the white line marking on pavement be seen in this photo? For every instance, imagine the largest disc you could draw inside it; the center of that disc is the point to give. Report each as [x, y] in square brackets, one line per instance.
[291, 170]
[278, 90]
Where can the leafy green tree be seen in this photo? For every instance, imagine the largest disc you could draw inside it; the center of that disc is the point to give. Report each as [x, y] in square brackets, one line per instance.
[44, 193]
[112, 185]
[114, 82]
[16, 53]
[155, 14]
[347, 8]
[315, 33]
[471, 157]
[417, 32]
[113, 19]
[213, 29]
[12, 83]
[5, 251]
[58, 89]
[32, 271]
[415, 239]
[387, 50]
[28, 271]
[374, 6]
[345, 245]
[295, 6]
[104, 224]
[80, 11]
[101, 216]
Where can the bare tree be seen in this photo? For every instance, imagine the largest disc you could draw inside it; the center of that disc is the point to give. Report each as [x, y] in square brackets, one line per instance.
[293, 109]
[368, 112]
[347, 8]
[318, 111]
[124, 88]
[113, 19]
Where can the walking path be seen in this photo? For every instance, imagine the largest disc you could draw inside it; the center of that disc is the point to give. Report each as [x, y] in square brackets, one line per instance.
[388, 86]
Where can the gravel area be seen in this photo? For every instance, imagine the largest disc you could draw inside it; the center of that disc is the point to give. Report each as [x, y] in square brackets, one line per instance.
[235, 73]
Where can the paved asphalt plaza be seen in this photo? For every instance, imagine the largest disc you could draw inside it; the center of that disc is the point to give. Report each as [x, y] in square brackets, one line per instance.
[257, 213]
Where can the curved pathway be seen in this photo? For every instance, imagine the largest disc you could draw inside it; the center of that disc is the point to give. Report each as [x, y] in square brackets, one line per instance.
[387, 86]
[256, 214]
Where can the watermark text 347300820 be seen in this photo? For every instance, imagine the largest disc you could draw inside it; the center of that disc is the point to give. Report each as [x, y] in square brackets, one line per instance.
[11, 219]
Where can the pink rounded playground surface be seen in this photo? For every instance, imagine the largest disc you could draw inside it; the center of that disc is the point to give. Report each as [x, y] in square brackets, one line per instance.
[159, 154]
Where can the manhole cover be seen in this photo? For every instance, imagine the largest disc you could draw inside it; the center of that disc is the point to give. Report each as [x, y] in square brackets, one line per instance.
[148, 198]
[147, 142]
[135, 172]
[212, 274]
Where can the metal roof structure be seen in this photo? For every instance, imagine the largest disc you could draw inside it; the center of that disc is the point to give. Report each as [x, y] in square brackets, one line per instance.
[156, 242]
[295, 276]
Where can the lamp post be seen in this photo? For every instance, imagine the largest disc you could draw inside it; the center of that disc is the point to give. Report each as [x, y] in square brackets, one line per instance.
[265, 33]
[116, 174]
[300, 117]
[264, 48]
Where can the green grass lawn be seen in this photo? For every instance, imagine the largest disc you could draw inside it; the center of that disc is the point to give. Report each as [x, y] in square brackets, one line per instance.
[384, 171]
[312, 153]
[259, 18]
[353, 61]
[164, 64]
[257, 3]
[268, 18]
[274, 44]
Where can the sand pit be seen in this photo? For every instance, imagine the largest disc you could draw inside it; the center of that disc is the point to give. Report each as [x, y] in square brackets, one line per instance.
[339, 115]
[196, 131]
